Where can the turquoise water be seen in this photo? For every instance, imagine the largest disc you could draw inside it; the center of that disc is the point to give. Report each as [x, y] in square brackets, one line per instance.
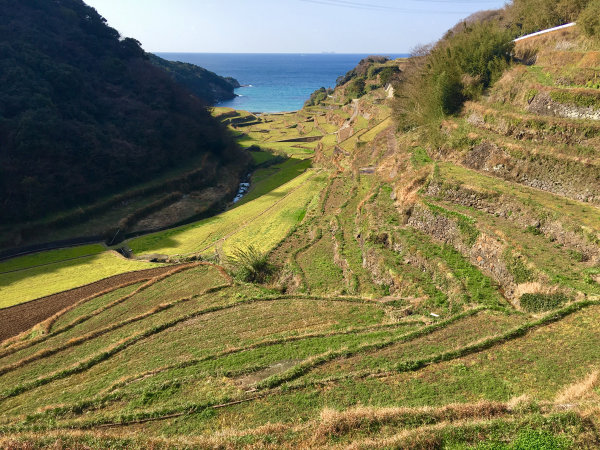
[274, 82]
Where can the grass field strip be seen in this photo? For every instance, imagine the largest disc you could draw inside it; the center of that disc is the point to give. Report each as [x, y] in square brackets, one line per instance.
[486, 419]
[317, 360]
[19, 342]
[260, 344]
[64, 277]
[278, 380]
[102, 331]
[126, 343]
[296, 267]
[338, 252]
[364, 131]
[334, 424]
[48, 264]
[417, 364]
[162, 307]
[268, 384]
[48, 323]
[253, 219]
[407, 437]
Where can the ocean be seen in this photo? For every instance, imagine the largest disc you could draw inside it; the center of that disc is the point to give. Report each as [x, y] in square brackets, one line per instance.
[274, 82]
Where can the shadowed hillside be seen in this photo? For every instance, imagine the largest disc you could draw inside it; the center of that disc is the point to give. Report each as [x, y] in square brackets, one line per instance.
[84, 113]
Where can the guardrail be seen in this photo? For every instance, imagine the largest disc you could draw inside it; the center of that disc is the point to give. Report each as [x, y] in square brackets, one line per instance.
[549, 30]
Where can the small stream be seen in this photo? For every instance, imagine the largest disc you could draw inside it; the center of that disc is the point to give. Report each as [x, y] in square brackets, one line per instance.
[243, 189]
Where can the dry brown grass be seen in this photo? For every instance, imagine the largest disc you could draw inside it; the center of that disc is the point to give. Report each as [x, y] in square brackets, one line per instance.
[579, 391]
[76, 439]
[336, 423]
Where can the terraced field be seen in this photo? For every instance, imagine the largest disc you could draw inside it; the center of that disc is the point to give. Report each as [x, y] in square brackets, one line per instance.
[418, 296]
[194, 351]
[42, 274]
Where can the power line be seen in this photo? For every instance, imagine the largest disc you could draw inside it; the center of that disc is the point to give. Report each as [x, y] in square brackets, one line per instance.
[376, 7]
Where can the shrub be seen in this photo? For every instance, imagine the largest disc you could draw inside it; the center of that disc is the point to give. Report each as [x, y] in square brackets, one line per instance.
[539, 302]
[589, 19]
[517, 268]
[250, 265]
[318, 97]
[356, 89]
[528, 16]
[460, 67]
[387, 74]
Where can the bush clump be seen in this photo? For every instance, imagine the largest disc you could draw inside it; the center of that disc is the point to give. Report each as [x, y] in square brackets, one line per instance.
[318, 97]
[528, 16]
[457, 69]
[589, 19]
[356, 89]
[539, 302]
[250, 265]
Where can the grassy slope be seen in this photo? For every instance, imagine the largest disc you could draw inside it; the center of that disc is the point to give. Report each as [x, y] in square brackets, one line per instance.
[28, 284]
[351, 354]
[46, 273]
[274, 213]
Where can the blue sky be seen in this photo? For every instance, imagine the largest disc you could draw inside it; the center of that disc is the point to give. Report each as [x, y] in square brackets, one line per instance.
[286, 26]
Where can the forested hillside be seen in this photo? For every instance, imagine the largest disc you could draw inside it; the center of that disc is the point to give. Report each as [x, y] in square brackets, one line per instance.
[207, 85]
[84, 113]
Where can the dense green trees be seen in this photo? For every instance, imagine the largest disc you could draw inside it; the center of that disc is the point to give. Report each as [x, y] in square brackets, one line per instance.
[83, 113]
[205, 84]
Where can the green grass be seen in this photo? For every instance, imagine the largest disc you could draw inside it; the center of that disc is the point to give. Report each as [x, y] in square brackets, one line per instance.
[29, 284]
[270, 178]
[48, 257]
[578, 99]
[584, 213]
[211, 364]
[260, 157]
[262, 222]
[420, 158]
[322, 274]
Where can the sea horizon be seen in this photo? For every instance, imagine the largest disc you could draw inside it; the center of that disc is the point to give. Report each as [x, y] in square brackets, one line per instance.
[275, 82]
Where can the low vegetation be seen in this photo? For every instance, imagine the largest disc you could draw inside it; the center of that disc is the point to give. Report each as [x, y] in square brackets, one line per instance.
[434, 287]
[250, 265]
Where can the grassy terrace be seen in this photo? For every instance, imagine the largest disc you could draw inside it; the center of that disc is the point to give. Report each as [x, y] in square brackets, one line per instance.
[276, 202]
[173, 364]
[583, 213]
[273, 213]
[374, 331]
[55, 271]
